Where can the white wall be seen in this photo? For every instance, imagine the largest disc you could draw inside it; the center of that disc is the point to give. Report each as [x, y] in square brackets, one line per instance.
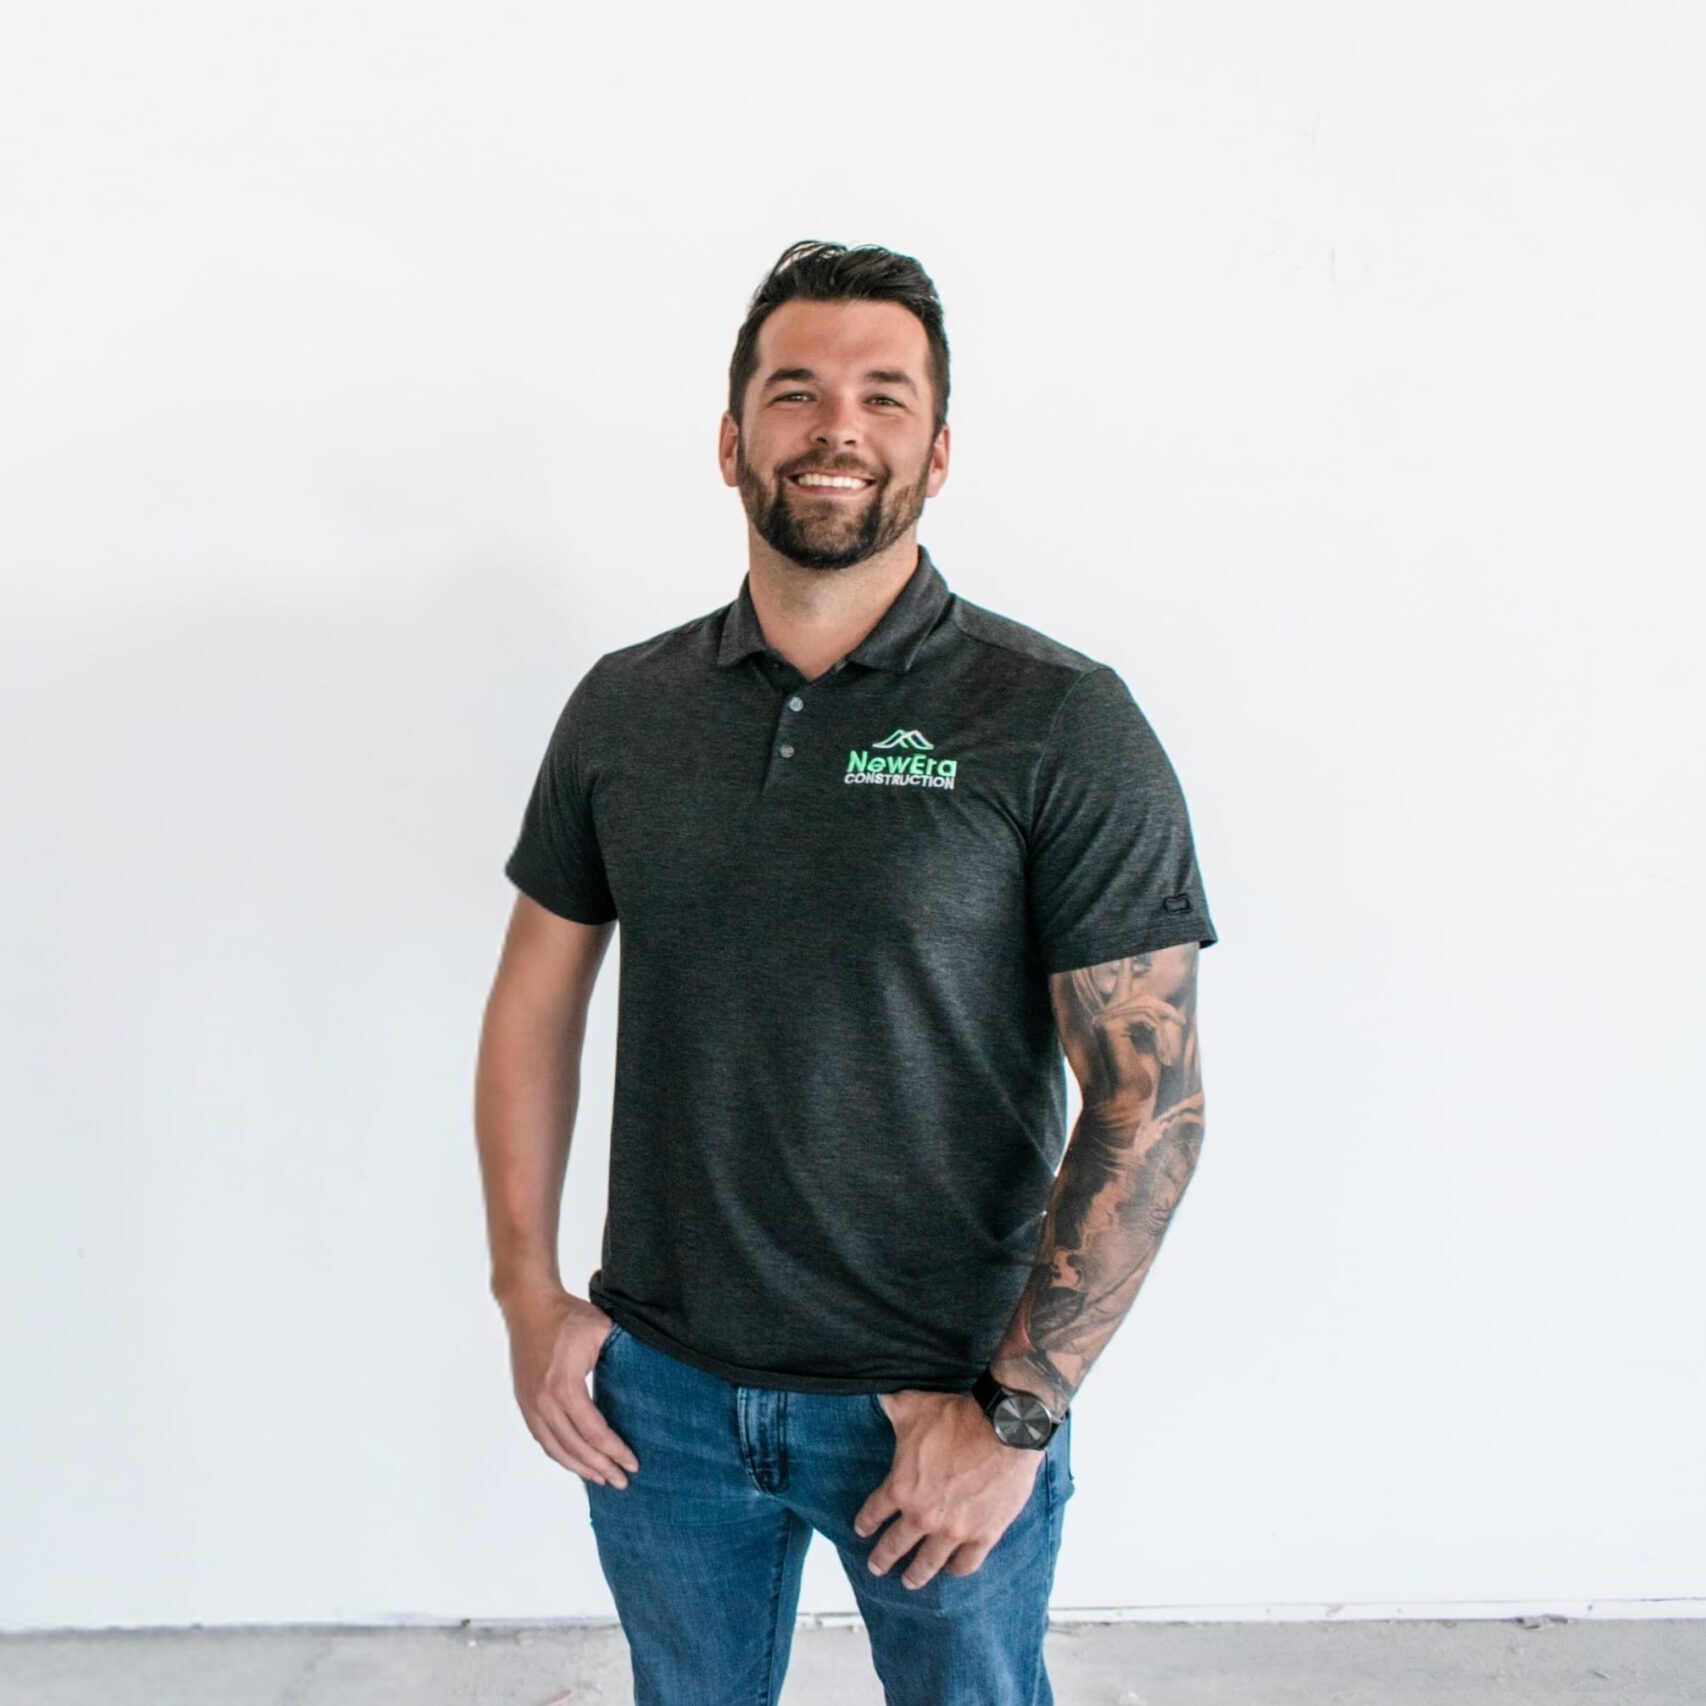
[1332, 371]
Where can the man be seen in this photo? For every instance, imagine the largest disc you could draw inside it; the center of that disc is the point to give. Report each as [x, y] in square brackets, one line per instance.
[877, 854]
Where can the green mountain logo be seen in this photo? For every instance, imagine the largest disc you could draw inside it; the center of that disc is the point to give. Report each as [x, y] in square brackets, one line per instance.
[901, 761]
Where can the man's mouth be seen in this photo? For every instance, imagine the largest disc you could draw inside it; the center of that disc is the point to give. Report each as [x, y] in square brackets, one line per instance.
[830, 485]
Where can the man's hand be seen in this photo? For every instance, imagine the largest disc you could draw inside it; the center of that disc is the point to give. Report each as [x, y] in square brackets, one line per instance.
[954, 1484]
[554, 1340]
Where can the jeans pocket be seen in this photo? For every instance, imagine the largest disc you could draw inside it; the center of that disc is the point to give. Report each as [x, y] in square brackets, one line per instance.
[878, 1411]
[616, 1331]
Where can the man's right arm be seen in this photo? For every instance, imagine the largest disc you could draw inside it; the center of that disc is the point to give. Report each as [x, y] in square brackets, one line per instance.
[526, 1092]
[527, 1089]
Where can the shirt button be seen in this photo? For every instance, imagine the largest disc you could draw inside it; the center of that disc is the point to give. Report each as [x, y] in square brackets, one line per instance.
[787, 752]
[796, 703]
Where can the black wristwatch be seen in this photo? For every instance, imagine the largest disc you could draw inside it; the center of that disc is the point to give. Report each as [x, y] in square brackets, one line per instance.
[1019, 1418]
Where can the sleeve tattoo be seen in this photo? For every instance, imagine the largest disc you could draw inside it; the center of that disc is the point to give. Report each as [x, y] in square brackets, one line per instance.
[1129, 1030]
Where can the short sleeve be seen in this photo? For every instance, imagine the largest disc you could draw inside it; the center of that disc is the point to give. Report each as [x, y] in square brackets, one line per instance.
[557, 860]
[1111, 868]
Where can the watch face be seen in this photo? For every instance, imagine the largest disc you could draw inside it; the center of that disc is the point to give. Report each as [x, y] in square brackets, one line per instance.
[1022, 1418]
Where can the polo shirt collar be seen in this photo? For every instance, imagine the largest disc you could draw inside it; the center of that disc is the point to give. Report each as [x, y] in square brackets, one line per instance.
[891, 645]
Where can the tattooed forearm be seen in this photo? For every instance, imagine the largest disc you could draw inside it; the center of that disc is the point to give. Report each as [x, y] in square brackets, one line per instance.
[1129, 1031]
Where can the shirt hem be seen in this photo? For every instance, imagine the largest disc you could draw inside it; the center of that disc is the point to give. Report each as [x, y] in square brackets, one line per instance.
[738, 1375]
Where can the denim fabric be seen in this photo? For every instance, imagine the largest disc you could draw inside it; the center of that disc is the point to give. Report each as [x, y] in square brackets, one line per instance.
[704, 1547]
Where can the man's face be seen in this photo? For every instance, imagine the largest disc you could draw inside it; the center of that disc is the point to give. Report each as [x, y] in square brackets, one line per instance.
[840, 389]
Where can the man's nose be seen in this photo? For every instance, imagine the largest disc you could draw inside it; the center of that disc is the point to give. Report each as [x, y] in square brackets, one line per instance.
[837, 422]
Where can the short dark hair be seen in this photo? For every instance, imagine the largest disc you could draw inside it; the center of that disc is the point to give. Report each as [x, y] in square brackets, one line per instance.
[831, 272]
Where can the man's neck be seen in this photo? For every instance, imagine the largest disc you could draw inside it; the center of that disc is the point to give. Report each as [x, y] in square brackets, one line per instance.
[815, 616]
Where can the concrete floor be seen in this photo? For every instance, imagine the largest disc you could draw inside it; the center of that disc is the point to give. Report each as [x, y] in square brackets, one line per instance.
[1560, 1662]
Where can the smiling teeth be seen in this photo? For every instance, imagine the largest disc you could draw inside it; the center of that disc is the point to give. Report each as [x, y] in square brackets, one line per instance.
[843, 480]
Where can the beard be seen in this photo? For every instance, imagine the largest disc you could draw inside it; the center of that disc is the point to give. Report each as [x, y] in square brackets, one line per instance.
[828, 534]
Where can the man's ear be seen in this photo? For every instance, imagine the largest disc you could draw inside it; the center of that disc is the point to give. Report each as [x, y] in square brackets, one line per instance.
[938, 462]
[728, 442]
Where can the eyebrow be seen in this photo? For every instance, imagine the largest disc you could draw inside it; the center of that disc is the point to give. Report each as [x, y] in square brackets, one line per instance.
[875, 376]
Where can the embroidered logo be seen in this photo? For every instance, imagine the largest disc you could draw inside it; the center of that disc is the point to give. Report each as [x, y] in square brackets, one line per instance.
[885, 763]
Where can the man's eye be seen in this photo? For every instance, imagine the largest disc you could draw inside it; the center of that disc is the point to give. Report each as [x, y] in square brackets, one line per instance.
[894, 400]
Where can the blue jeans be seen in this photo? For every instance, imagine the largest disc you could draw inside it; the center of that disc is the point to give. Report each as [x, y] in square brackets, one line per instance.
[704, 1547]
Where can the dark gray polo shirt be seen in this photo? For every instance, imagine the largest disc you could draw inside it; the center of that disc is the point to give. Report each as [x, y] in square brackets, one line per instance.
[840, 1094]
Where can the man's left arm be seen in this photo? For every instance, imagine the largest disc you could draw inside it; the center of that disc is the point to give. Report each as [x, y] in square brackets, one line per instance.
[1129, 1029]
